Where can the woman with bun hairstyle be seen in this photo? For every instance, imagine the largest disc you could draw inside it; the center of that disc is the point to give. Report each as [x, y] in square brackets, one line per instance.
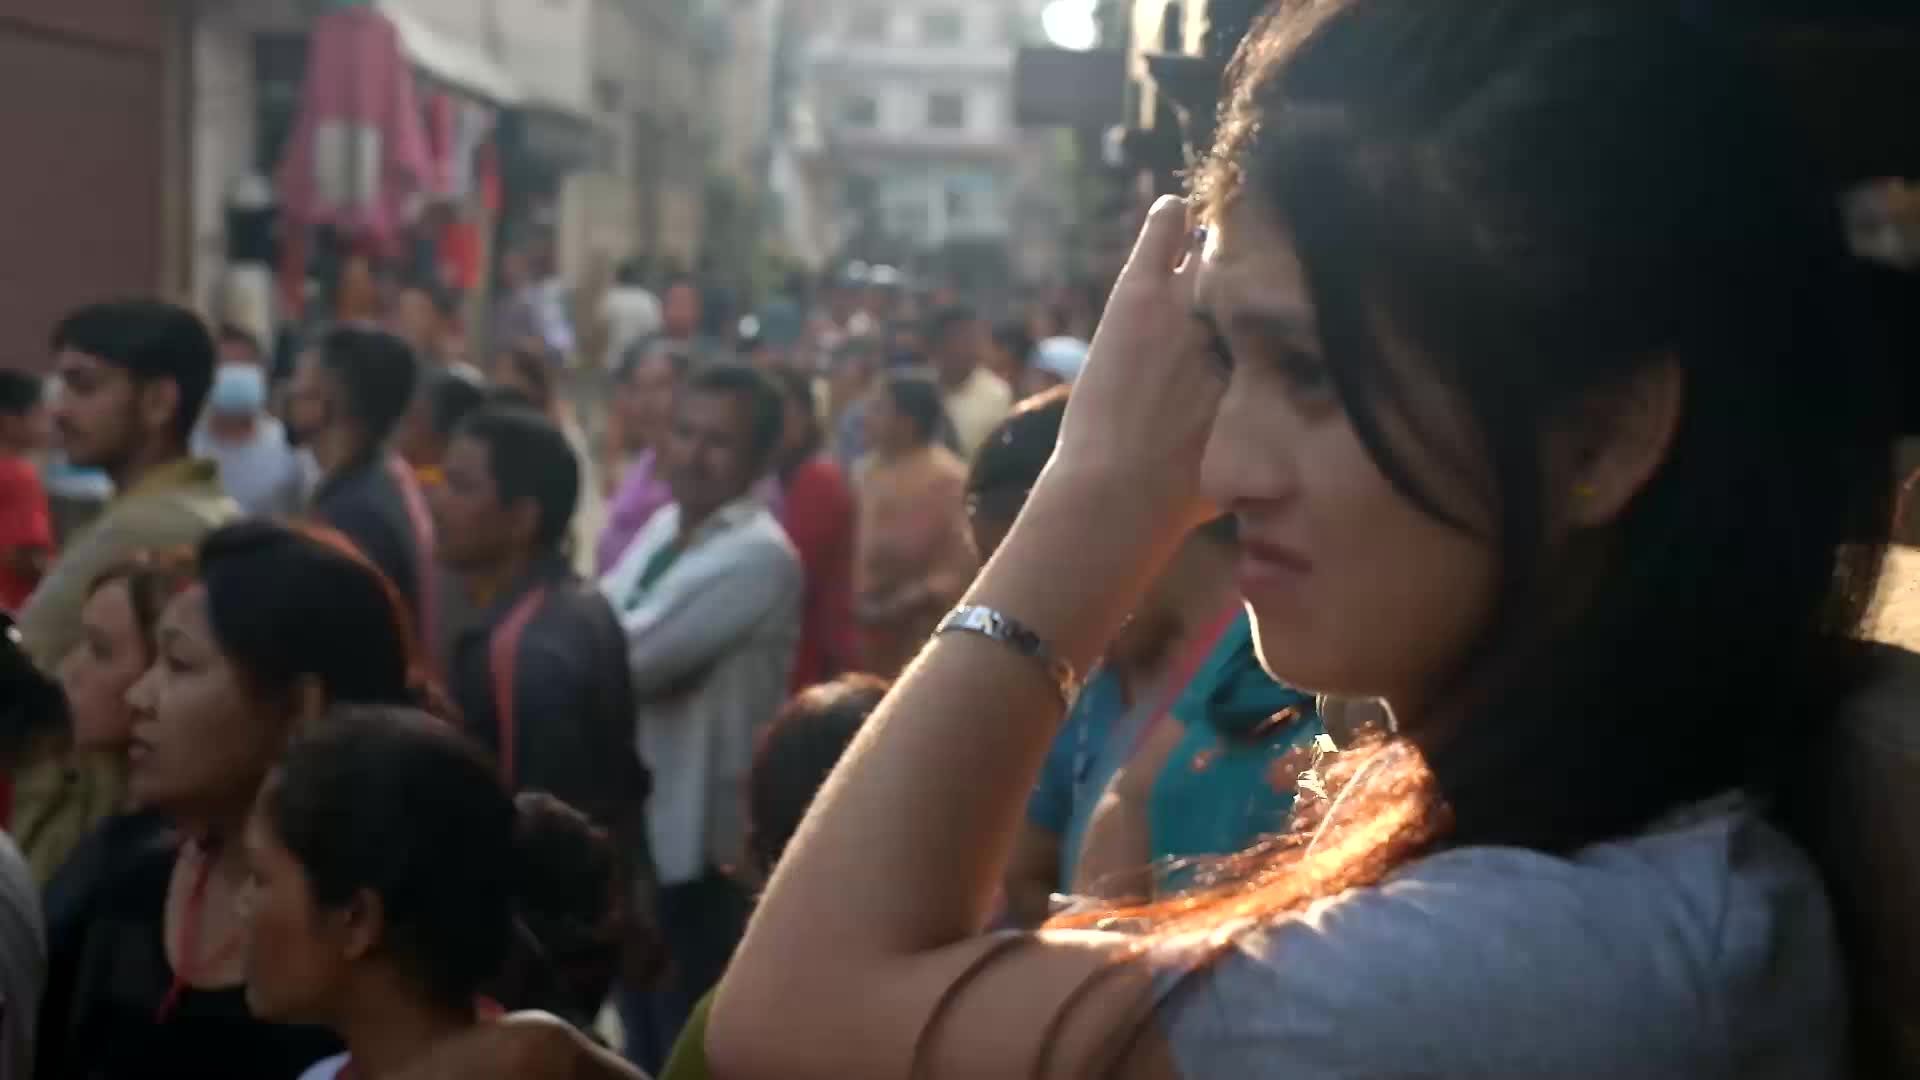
[392, 868]
[145, 960]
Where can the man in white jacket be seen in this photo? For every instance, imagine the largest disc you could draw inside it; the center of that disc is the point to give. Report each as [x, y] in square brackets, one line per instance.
[709, 597]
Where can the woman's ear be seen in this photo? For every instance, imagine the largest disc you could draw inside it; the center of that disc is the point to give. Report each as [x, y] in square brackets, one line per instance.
[1614, 444]
[362, 922]
[309, 703]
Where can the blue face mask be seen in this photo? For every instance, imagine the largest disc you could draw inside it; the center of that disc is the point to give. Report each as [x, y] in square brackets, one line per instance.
[238, 390]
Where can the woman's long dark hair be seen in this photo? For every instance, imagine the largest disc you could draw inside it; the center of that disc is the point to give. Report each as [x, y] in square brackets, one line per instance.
[1544, 200]
[295, 602]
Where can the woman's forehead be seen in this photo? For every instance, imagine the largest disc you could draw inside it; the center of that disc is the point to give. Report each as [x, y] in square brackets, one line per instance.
[186, 613]
[1248, 265]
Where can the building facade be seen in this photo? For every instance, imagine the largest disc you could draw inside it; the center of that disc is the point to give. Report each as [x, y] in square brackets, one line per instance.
[97, 195]
[916, 103]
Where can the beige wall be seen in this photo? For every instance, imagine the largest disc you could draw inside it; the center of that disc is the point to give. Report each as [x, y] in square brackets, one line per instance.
[599, 217]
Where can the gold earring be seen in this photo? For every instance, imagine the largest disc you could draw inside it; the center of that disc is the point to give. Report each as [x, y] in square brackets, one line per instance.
[1585, 491]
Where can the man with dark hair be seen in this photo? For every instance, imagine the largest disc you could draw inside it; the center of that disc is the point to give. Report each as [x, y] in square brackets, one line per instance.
[540, 670]
[133, 375]
[350, 391]
[709, 596]
[957, 347]
[447, 397]
[1175, 671]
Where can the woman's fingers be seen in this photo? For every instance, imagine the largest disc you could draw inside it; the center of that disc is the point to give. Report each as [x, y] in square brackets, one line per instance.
[1144, 403]
[1162, 243]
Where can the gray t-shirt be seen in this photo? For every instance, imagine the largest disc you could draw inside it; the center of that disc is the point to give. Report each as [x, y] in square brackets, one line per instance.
[1702, 949]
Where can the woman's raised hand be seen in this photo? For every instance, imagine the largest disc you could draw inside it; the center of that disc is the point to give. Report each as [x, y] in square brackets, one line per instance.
[1142, 408]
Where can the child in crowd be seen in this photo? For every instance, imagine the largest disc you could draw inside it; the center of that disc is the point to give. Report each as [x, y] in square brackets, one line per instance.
[795, 758]
[26, 524]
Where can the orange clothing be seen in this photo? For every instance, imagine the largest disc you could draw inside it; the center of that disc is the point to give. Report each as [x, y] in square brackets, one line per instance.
[915, 555]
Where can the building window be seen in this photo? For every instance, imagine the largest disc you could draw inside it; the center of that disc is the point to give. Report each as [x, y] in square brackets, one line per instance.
[946, 110]
[860, 111]
[942, 27]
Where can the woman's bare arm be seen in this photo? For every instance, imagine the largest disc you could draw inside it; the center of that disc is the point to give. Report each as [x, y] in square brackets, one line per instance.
[873, 914]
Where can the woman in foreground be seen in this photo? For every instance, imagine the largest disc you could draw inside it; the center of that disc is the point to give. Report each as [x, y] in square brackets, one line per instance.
[389, 862]
[145, 968]
[1501, 319]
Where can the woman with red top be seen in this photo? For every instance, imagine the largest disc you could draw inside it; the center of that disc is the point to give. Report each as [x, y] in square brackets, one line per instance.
[144, 924]
[817, 510]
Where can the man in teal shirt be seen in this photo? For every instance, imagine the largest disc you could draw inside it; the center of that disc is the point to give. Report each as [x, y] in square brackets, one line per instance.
[1229, 780]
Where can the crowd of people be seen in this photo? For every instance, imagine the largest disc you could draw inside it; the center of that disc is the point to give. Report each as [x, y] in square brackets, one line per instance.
[1403, 643]
[375, 535]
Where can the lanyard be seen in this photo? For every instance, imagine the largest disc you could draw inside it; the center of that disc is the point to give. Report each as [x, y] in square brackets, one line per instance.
[420, 524]
[1190, 663]
[1166, 694]
[501, 650]
[189, 942]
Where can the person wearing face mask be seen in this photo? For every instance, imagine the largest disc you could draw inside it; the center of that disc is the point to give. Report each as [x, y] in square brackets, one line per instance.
[260, 470]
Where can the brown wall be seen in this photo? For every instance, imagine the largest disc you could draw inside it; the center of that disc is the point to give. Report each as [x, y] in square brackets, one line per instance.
[88, 180]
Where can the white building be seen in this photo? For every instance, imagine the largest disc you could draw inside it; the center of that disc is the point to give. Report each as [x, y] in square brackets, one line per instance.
[916, 99]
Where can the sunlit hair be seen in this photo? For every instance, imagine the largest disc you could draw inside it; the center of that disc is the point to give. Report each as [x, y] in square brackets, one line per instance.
[1541, 201]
